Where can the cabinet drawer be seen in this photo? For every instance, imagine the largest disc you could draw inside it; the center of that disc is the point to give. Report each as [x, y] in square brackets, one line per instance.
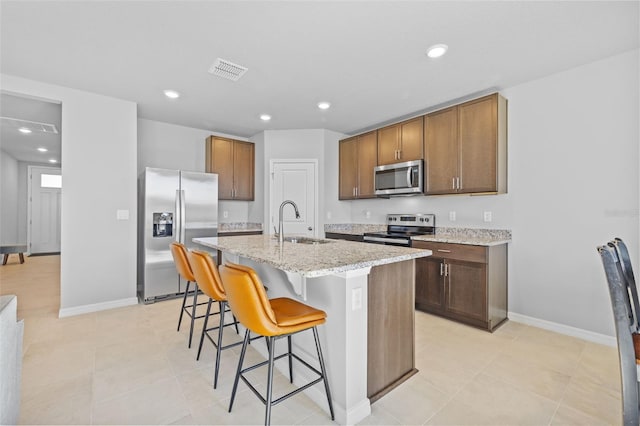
[464, 252]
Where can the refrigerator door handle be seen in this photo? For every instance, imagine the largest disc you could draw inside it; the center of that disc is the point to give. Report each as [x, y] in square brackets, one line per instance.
[183, 231]
[178, 220]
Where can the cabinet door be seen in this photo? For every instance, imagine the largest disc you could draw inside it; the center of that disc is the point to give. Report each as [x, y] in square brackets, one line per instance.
[348, 160]
[411, 139]
[220, 160]
[243, 170]
[441, 151]
[388, 144]
[466, 290]
[367, 160]
[477, 133]
[429, 284]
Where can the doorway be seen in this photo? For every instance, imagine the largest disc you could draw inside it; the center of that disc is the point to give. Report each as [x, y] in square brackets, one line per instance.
[295, 180]
[44, 207]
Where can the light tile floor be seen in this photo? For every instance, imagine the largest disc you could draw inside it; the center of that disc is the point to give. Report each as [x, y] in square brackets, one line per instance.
[130, 366]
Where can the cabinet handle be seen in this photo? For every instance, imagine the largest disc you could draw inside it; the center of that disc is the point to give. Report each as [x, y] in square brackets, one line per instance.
[399, 154]
[446, 270]
[441, 269]
[444, 251]
[453, 182]
[458, 180]
[356, 191]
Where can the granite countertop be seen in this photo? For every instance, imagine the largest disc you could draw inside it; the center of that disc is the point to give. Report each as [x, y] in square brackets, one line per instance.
[239, 227]
[311, 260]
[471, 236]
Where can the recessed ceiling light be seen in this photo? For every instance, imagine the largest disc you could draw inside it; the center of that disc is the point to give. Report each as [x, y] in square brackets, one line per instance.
[24, 130]
[265, 117]
[43, 149]
[324, 105]
[437, 50]
[171, 94]
[53, 160]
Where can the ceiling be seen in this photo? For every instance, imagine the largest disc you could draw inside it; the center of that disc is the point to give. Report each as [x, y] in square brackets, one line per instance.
[24, 147]
[365, 57]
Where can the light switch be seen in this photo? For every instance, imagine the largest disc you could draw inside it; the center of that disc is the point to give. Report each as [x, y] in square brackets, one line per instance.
[488, 217]
[452, 216]
[225, 214]
[122, 214]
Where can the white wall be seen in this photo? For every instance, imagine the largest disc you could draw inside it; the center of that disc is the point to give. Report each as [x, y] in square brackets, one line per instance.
[99, 141]
[9, 199]
[170, 146]
[573, 184]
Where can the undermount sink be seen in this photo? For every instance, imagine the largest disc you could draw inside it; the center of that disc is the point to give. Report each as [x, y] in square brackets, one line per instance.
[306, 240]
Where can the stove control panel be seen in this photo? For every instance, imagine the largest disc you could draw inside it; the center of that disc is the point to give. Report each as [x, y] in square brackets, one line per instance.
[418, 219]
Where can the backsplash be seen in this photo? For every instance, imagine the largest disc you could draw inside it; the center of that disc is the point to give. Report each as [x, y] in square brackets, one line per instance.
[239, 226]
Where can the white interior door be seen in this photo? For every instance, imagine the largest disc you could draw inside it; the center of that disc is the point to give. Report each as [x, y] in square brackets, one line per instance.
[45, 195]
[295, 180]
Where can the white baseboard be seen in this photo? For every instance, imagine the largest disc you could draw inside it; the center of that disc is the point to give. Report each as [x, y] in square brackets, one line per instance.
[580, 333]
[95, 307]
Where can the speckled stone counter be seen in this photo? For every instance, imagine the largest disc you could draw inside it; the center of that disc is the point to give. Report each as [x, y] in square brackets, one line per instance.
[472, 236]
[354, 228]
[311, 260]
[224, 228]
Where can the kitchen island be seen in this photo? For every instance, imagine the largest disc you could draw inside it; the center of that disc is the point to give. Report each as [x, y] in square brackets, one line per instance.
[367, 291]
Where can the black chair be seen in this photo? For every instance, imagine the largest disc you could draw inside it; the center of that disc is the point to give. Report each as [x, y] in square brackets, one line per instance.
[623, 299]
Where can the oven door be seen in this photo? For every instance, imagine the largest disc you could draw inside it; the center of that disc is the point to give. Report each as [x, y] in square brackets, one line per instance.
[399, 179]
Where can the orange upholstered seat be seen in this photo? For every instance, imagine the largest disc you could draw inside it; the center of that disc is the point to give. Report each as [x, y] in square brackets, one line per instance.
[273, 319]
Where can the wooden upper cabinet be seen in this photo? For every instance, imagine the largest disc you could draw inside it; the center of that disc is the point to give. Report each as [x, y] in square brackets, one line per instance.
[234, 162]
[348, 177]
[401, 142]
[465, 148]
[358, 156]
[441, 151]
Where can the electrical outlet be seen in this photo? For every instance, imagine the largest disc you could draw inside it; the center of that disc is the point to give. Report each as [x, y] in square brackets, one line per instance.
[225, 214]
[452, 216]
[328, 215]
[367, 214]
[356, 299]
[488, 217]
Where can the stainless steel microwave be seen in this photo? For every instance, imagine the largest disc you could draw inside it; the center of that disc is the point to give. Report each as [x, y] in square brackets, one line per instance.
[399, 179]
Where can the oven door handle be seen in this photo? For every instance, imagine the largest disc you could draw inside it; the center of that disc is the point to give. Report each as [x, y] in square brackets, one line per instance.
[402, 241]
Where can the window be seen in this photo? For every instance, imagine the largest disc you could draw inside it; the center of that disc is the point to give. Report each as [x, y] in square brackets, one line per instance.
[50, 181]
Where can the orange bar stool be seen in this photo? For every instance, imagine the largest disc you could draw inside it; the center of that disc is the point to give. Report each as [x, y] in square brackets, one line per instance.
[273, 319]
[179, 253]
[208, 278]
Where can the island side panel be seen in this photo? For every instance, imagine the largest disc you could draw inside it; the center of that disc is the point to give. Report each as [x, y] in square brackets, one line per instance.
[391, 332]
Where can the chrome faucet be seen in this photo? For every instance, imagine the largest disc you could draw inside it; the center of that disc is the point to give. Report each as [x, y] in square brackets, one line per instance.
[280, 227]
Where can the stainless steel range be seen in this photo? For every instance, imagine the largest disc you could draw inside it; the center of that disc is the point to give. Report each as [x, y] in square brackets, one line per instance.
[401, 227]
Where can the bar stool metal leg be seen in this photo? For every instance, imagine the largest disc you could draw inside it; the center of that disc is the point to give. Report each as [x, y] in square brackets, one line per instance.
[222, 306]
[240, 361]
[267, 416]
[193, 312]
[184, 303]
[204, 328]
[324, 371]
[290, 359]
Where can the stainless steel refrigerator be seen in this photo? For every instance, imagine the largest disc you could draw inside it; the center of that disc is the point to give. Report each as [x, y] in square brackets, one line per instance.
[173, 205]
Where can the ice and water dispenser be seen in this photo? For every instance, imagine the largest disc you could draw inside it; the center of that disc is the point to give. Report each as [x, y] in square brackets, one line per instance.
[163, 224]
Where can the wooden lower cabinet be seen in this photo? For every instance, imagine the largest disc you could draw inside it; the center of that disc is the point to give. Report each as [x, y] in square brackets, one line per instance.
[463, 282]
[390, 336]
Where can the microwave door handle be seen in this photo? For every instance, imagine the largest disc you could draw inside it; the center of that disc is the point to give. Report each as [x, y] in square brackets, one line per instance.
[409, 177]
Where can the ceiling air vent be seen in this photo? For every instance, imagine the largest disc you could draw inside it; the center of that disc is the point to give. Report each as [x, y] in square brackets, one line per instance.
[34, 126]
[227, 69]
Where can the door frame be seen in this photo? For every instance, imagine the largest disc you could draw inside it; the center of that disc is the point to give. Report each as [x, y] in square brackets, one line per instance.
[272, 163]
[30, 168]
